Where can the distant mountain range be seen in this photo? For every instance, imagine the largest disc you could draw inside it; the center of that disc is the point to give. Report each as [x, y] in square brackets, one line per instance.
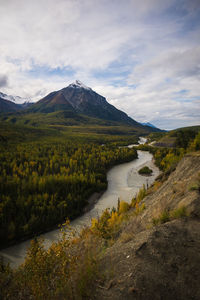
[149, 124]
[75, 100]
[10, 103]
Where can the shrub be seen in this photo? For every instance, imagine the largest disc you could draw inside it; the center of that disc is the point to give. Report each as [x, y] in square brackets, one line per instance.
[142, 193]
[166, 216]
[196, 185]
[123, 207]
[163, 218]
[178, 213]
[139, 209]
[145, 171]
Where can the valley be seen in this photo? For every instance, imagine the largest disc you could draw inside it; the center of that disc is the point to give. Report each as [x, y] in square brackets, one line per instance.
[99, 150]
[61, 152]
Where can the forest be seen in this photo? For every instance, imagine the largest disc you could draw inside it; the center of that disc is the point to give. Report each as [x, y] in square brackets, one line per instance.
[44, 182]
[72, 267]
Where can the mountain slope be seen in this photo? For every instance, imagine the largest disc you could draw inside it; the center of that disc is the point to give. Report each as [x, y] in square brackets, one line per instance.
[83, 100]
[161, 261]
[9, 103]
[180, 137]
[15, 99]
[8, 106]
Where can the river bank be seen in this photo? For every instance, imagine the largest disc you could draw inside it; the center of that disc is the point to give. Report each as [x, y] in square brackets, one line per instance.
[123, 182]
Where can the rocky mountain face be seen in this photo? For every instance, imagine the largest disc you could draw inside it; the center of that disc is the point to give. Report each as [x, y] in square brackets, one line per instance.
[83, 100]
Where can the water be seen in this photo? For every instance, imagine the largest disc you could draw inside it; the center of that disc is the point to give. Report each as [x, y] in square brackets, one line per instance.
[123, 182]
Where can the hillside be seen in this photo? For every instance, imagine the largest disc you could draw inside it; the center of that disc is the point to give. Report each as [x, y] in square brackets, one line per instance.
[180, 137]
[8, 106]
[9, 103]
[160, 261]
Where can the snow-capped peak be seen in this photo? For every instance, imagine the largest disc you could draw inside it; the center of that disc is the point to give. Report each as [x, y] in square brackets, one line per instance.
[15, 99]
[79, 84]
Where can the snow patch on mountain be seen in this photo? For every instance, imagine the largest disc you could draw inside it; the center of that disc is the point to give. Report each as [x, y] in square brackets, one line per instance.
[78, 84]
[15, 99]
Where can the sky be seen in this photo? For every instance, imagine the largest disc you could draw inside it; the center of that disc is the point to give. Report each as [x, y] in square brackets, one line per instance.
[143, 56]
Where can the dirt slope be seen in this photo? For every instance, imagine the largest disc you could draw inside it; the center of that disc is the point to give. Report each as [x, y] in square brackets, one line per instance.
[159, 262]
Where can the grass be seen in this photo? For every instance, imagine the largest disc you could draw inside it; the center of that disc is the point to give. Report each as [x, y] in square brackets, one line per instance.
[196, 185]
[167, 216]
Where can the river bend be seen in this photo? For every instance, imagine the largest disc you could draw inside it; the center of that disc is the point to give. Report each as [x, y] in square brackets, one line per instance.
[124, 182]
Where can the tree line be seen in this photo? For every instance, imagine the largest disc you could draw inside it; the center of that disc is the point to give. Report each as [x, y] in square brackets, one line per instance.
[43, 183]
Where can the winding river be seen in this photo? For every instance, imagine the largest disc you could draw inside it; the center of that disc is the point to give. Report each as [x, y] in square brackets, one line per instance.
[124, 182]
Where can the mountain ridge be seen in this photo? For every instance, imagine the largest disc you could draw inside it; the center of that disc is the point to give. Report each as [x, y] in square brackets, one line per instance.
[81, 99]
[149, 124]
[9, 103]
[8, 106]
[78, 103]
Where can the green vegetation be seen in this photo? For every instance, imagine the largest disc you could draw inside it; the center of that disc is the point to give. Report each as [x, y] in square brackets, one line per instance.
[187, 140]
[145, 171]
[155, 136]
[166, 159]
[196, 185]
[46, 175]
[195, 144]
[69, 268]
[69, 121]
[179, 138]
[184, 140]
[184, 137]
[167, 216]
[47, 181]
[163, 218]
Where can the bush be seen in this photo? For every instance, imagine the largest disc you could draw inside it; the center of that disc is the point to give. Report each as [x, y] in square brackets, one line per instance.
[179, 213]
[163, 218]
[167, 216]
[145, 171]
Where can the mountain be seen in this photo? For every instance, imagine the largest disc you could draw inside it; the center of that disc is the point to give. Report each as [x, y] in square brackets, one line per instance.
[26, 104]
[75, 104]
[149, 124]
[9, 103]
[80, 99]
[8, 106]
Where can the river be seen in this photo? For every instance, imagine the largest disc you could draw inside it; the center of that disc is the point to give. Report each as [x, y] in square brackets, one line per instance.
[124, 182]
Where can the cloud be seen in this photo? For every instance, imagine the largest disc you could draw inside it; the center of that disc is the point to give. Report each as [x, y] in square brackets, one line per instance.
[141, 55]
[3, 81]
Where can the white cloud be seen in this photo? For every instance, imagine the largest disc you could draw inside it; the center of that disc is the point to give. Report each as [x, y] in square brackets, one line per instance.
[154, 46]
